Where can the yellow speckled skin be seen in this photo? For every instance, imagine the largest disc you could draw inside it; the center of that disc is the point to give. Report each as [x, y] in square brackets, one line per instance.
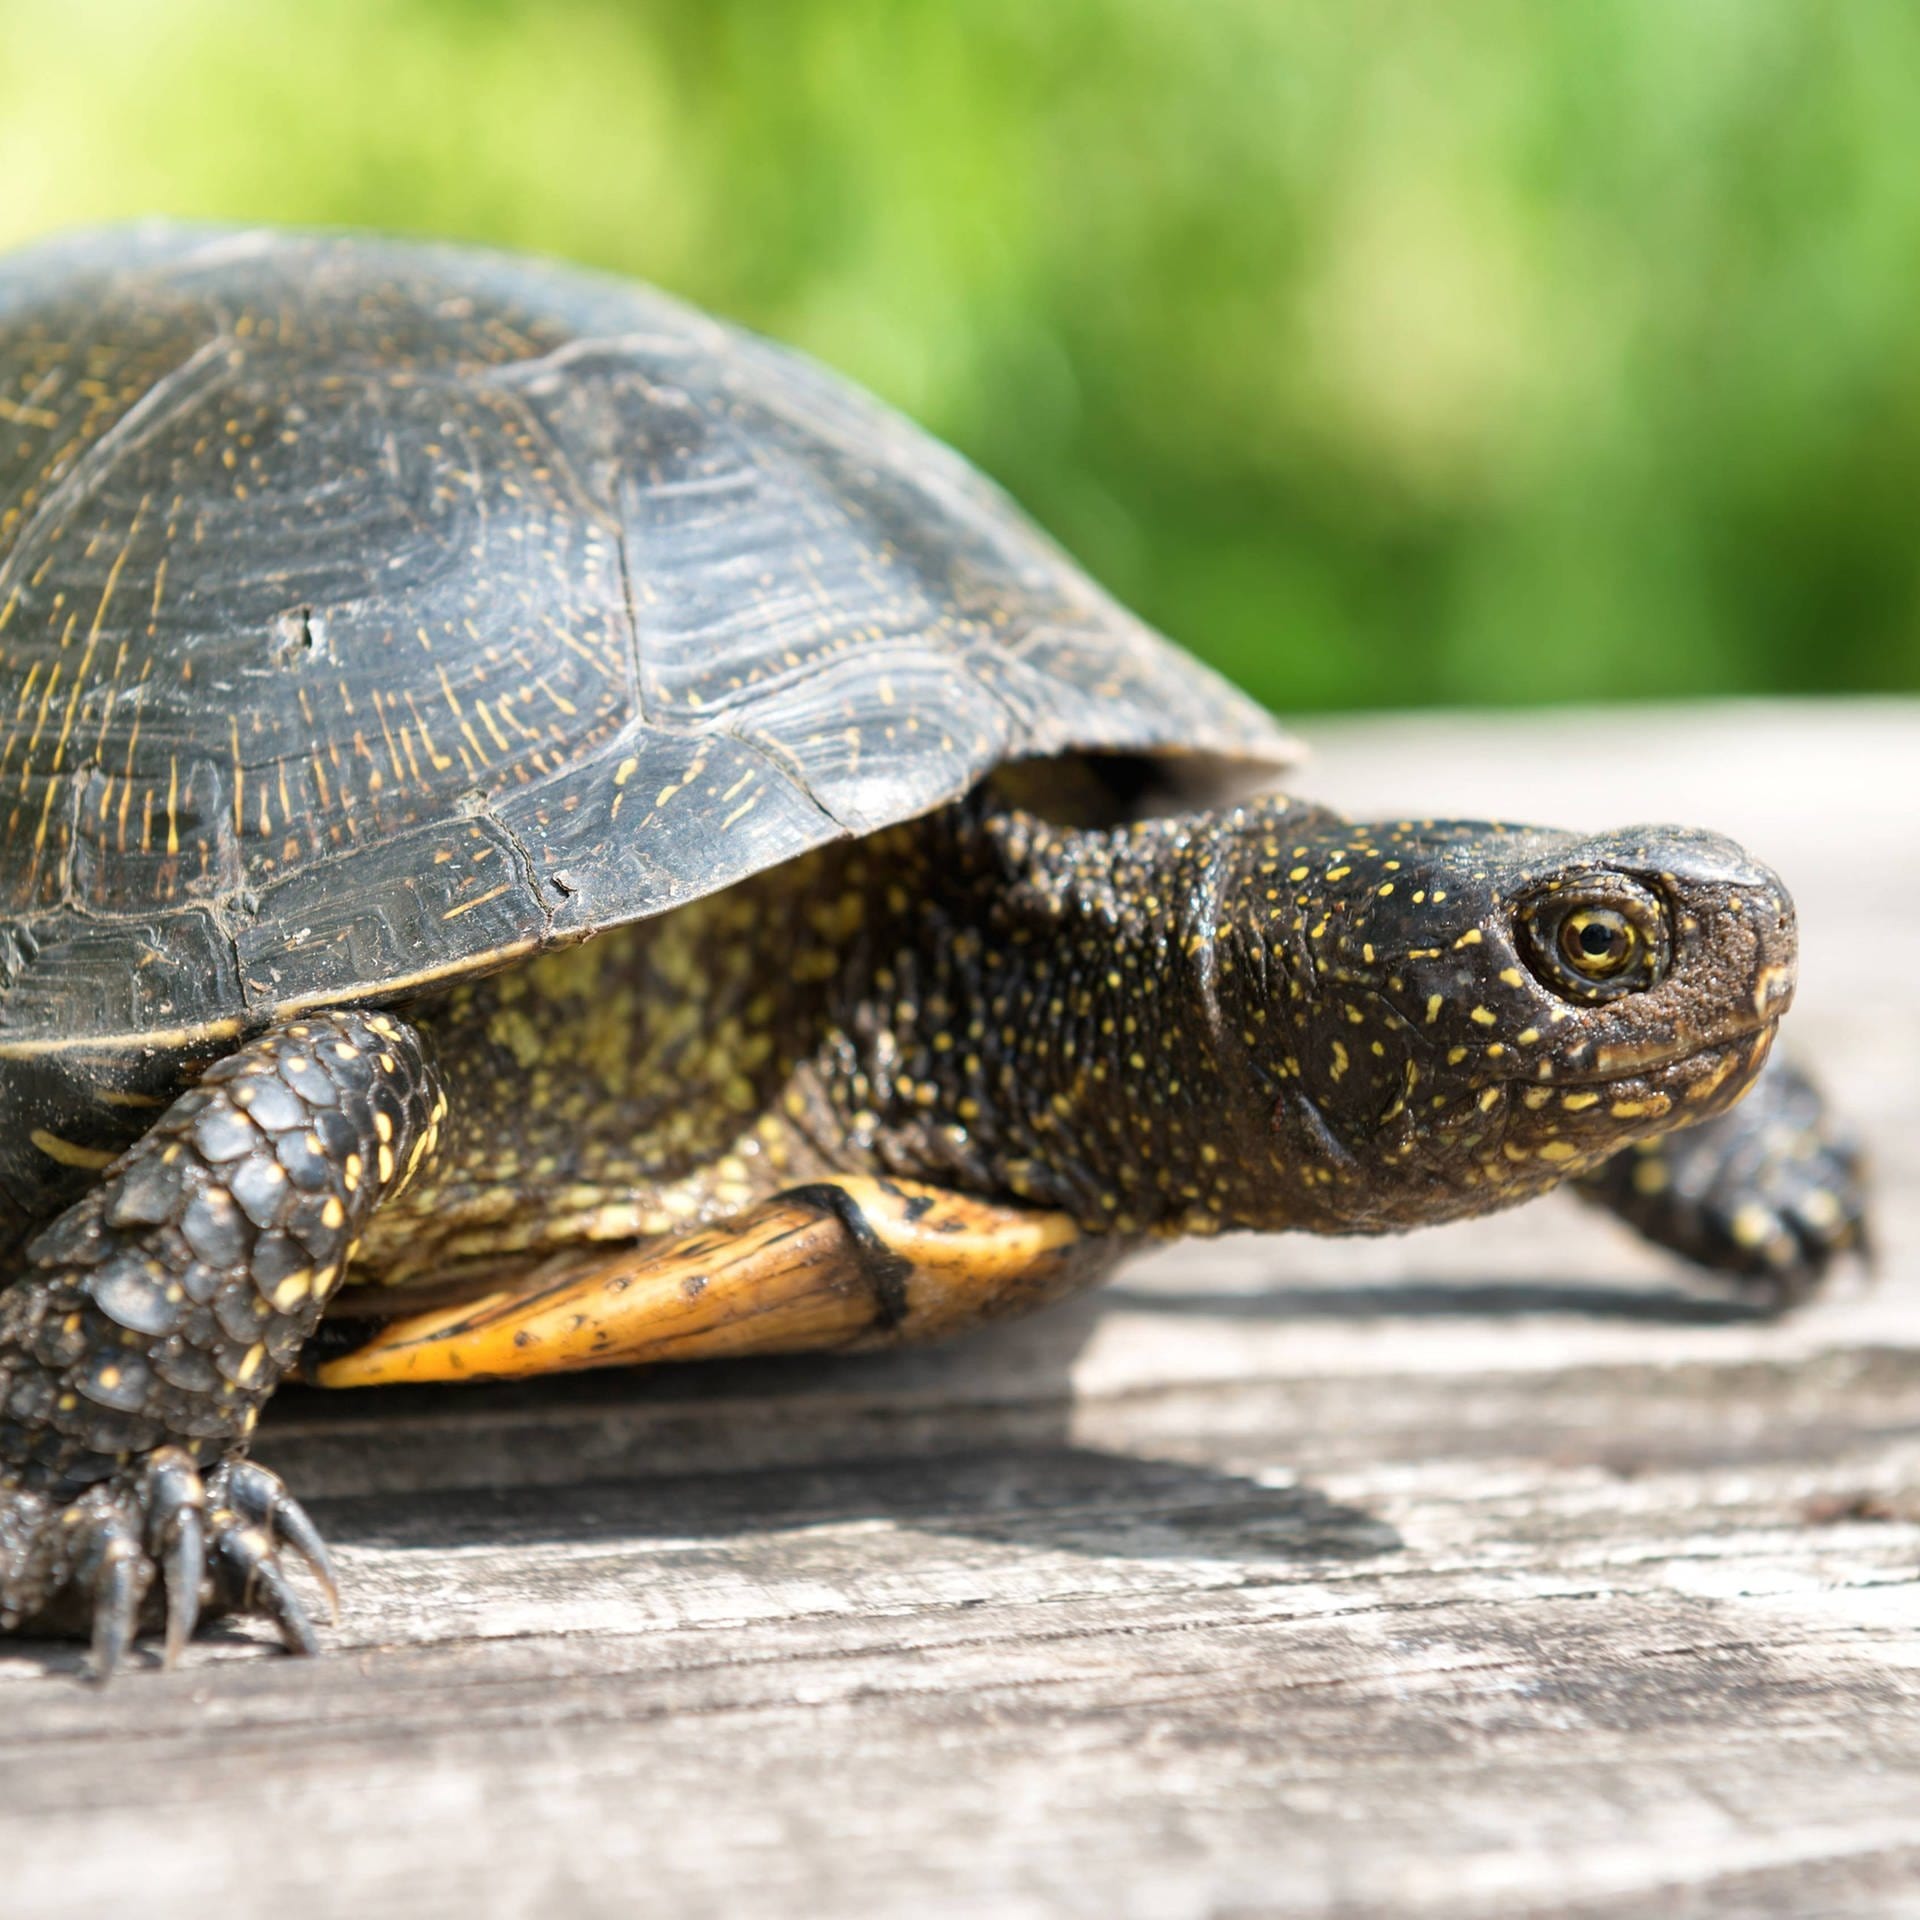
[1151, 1028]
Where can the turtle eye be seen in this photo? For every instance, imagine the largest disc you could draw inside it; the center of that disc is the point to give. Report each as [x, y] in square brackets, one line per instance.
[1598, 942]
[1594, 938]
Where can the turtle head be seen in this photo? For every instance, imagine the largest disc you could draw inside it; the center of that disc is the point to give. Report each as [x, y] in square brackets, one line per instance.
[1448, 1016]
[1272, 1017]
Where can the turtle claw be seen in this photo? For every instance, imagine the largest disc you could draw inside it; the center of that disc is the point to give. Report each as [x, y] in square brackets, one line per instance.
[117, 1573]
[251, 1580]
[183, 1567]
[303, 1537]
[176, 1505]
[283, 1606]
[262, 1499]
[158, 1546]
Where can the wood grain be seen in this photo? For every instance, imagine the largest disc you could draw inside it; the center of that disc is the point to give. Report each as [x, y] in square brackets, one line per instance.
[1493, 1571]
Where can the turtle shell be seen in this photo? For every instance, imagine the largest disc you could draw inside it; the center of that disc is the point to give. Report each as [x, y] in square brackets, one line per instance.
[373, 613]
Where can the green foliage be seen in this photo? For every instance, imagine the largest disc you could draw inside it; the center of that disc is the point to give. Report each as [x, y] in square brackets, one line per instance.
[1383, 351]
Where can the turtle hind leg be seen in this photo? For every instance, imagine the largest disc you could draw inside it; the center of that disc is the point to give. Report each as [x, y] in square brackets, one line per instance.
[156, 1316]
[1770, 1193]
[848, 1263]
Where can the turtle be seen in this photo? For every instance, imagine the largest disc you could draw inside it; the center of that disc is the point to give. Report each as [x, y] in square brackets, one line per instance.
[540, 830]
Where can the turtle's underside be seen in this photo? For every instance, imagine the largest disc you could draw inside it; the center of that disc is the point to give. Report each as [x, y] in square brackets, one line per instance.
[548, 832]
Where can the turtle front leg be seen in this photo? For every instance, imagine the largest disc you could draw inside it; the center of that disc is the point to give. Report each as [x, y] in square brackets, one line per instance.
[158, 1313]
[1770, 1193]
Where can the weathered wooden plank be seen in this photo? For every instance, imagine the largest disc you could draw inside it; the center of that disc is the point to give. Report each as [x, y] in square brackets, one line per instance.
[1492, 1571]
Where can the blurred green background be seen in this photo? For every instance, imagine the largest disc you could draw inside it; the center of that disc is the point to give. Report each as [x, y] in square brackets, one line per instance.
[1385, 353]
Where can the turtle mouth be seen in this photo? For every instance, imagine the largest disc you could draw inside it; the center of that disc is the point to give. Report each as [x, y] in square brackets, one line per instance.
[1687, 1058]
[1706, 1079]
[1535, 1132]
[1656, 1093]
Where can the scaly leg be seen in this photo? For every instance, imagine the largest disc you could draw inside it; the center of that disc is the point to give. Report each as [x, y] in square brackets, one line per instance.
[1771, 1192]
[158, 1313]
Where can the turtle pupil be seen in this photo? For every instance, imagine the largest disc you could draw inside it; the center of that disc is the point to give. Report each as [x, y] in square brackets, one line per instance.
[1597, 941]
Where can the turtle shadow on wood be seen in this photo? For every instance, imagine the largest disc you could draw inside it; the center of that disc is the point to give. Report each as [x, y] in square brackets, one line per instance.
[961, 1517]
[971, 1440]
[973, 1437]
[751, 1461]
[1070, 1499]
[1594, 1300]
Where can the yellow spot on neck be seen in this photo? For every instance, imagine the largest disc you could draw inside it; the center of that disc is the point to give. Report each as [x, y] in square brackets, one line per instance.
[68, 1154]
